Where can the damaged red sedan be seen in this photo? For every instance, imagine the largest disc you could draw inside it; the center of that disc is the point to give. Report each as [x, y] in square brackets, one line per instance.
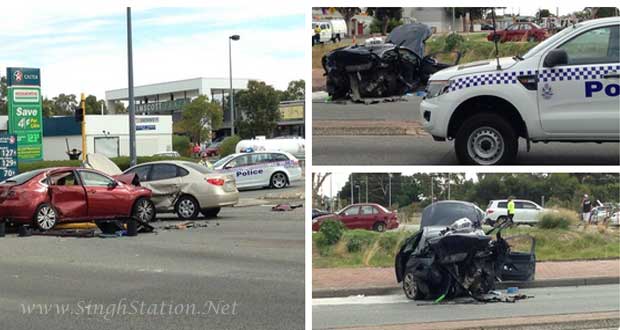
[49, 196]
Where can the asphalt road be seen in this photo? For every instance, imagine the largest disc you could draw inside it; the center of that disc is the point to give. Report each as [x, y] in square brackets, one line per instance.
[385, 310]
[400, 110]
[414, 150]
[244, 271]
[257, 193]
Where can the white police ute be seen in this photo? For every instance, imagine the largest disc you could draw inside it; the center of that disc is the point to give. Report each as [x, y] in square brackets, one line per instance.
[275, 169]
[565, 89]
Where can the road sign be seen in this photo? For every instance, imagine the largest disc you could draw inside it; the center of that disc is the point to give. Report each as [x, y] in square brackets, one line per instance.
[23, 77]
[8, 156]
[25, 112]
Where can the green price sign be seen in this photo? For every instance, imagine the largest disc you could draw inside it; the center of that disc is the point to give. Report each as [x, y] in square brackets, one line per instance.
[26, 121]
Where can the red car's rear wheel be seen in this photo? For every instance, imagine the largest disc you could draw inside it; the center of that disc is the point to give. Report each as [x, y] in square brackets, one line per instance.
[45, 217]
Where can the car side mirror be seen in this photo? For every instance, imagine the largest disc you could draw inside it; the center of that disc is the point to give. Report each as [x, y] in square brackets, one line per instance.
[556, 57]
[112, 185]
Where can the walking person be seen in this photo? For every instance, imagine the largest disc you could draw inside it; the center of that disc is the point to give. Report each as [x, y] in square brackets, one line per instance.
[511, 209]
[586, 208]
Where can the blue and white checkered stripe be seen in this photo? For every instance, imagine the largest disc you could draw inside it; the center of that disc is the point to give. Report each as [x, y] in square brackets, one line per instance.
[545, 75]
[576, 73]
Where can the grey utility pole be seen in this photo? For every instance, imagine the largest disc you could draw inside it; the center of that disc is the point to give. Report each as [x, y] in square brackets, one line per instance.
[234, 37]
[351, 188]
[132, 111]
[390, 189]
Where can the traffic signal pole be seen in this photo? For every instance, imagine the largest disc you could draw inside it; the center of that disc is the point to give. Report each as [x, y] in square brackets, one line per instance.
[83, 109]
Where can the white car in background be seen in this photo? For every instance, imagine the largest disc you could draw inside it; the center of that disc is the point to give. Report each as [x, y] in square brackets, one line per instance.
[526, 212]
[275, 169]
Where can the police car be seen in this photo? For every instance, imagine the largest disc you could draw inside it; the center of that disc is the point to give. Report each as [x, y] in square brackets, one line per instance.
[275, 169]
[565, 89]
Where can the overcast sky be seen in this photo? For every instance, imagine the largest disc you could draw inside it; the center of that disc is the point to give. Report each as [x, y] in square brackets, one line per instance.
[80, 46]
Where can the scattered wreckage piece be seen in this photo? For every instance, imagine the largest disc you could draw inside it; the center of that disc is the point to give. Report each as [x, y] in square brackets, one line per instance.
[187, 225]
[286, 207]
[386, 70]
[451, 256]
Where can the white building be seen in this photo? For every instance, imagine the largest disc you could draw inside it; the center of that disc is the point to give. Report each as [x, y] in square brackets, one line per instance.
[168, 98]
[108, 135]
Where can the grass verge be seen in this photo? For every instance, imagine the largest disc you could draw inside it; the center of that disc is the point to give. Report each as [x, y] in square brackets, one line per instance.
[360, 248]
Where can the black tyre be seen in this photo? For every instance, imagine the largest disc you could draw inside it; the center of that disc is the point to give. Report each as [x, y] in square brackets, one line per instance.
[410, 286]
[486, 139]
[45, 217]
[211, 213]
[278, 180]
[2, 228]
[379, 227]
[187, 207]
[143, 209]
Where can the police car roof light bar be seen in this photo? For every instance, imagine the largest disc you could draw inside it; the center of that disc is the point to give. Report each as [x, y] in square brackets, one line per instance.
[495, 39]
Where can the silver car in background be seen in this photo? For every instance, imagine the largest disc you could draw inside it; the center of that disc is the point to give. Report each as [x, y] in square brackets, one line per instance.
[183, 187]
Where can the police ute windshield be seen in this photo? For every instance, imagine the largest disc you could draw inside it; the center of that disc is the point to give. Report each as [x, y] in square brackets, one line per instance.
[549, 40]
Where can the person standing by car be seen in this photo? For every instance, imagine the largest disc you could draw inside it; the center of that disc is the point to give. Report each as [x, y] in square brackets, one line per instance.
[586, 208]
[511, 208]
[317, 35]
[196, 150]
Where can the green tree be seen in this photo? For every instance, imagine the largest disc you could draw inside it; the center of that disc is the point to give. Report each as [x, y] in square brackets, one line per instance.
[199, 117]
[93, 106]
[543, 13]
[119, 107]
[384, 15]
[64, 105]
[296, 91]
[461, 12]
[259, 107]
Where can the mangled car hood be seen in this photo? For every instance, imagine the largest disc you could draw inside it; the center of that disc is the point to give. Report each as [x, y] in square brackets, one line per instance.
[102, 163]
[411, 36]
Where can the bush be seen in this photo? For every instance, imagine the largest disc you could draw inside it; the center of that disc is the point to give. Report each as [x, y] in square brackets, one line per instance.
[228, 145]
[358, 240]
[453, 41]
[332, 231]
[561, 219]
[180, 144]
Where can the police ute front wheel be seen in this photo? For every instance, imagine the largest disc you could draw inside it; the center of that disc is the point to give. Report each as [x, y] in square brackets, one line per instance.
[486, 139]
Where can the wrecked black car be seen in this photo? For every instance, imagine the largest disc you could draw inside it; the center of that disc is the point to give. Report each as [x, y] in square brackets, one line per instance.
[388, 69]
[452, 256]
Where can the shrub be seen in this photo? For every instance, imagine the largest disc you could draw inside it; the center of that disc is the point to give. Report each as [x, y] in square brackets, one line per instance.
[332, 231]
[180, 144]
[228, 145]
[453, 41]
[560, 218]
[358, 240]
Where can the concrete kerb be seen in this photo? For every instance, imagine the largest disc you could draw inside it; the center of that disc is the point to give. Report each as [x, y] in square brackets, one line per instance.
[390, 290]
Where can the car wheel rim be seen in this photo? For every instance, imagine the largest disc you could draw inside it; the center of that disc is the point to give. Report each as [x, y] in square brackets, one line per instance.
[279, 180]
[46, 218]
[409, 285]
[187, 208]
[485, 145]
[145, 211]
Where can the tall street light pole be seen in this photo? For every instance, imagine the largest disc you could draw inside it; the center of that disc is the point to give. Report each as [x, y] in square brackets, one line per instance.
[234, 37]
[390, 189]
[132, 111]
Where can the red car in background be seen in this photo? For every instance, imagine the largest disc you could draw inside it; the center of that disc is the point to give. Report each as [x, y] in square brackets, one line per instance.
[520, 32]
[213, 149]
[370, 216]
[49, 196]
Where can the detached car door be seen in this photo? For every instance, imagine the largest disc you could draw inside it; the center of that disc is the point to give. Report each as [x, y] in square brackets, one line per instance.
[106, 197]
[581, 97]
[67, 195]
[520, 264]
